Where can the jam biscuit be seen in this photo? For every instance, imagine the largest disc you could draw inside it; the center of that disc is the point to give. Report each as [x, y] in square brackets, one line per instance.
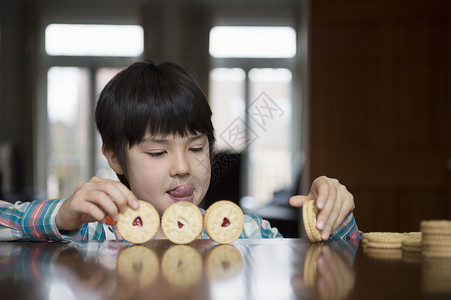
[413, 235]
[139, 225]
[309, 213]
[224, 222]
[182, 222]
[223, 262]
[181, 265]
[387, 240]
[138, 264]
[365, 239]
[384, 253]
[436, 238]
[436, 226]
[412, 245]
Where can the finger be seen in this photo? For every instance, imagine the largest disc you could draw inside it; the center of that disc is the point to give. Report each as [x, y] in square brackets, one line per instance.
[323, 216]
[107, 186]
[116, 194]
[131, 198]
[346, 208]
[298, 201]
[320, 190]
[334, 213]
[104, 202]
[91, 212]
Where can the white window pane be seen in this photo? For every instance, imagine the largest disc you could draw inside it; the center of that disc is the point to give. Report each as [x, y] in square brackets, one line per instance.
[68, 109]
[227, 103]
[103, 170]
[270, 116]
[252, 41]
[94, 40]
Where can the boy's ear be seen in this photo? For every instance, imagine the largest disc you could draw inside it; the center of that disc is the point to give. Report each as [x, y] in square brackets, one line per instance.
[112, 159]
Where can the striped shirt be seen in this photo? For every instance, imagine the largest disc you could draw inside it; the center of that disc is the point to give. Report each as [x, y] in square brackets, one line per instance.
[35, 221]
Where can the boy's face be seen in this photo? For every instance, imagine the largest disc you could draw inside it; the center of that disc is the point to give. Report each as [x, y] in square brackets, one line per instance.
[165, 170]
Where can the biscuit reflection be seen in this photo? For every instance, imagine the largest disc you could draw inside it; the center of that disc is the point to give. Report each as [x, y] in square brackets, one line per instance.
[138, 265]
[436, 276]
[182, 265]
[223, 262]
[311, 266]
[327, 272]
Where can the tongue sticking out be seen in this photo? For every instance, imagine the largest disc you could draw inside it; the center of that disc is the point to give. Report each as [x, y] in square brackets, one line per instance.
[182, 191]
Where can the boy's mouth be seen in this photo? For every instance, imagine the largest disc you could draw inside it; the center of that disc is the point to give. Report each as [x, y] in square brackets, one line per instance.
[182, 193]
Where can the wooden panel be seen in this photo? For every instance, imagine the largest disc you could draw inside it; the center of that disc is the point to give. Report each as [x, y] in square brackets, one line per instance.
[380, 107]
[400, 209]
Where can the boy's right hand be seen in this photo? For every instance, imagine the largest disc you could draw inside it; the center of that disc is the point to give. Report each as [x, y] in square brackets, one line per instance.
[93, 201]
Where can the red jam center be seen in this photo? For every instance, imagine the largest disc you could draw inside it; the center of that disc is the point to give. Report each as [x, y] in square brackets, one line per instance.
[225, 222]
[138, 222]
[179, 224]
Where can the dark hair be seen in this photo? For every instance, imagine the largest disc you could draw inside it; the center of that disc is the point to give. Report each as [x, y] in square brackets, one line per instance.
[162, 98]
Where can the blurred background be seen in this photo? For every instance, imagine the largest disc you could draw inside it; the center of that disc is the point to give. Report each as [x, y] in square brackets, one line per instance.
[355, 90]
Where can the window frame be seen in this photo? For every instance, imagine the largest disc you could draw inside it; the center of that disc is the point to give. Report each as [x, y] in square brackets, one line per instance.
[60, 15]
[248, 63]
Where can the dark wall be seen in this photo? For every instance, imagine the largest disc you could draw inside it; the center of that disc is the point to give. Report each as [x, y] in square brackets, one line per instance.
[380, 107]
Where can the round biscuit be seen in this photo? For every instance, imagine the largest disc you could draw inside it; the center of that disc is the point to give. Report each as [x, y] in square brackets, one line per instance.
[437, 242]
[182, 222]
[224, 222]
[384, 245]
[412, 245]
[412, 235]
[385, 237]
[384, 253]
[435, 237]
[436, 226]
[309, 212]
[139, 232]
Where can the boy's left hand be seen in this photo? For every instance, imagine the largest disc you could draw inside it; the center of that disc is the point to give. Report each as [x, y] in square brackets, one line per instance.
[333, 201]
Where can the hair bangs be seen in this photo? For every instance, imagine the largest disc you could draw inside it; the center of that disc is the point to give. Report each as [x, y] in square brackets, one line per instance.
[170, 108]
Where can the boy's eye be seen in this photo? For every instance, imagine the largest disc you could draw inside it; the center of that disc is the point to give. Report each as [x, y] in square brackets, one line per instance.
[156, 154]
[196, 149]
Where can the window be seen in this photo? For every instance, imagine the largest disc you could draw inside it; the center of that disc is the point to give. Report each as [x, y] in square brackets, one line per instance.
[252, 41]
[74, 80]
[251, 98]
[68, 114]
[94, 40]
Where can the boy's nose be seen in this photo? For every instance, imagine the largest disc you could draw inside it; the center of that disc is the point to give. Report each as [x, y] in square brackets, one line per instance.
[180, 165]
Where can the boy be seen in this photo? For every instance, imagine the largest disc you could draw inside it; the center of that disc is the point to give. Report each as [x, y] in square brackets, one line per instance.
[155, 124]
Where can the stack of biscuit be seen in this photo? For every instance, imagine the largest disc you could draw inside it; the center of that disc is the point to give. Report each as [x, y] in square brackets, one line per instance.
[412, 242]
[385, 245]
[391, 245]
[309, 213]
[436, 239]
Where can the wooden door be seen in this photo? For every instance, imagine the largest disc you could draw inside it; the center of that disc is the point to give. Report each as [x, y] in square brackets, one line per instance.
[380, 107]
